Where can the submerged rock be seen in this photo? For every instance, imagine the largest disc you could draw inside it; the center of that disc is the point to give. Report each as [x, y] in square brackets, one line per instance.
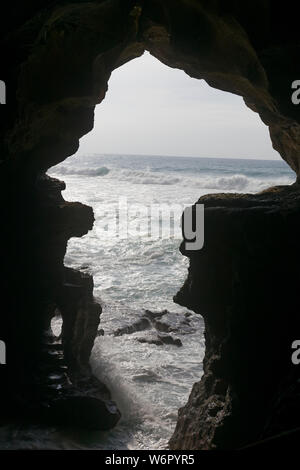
[160, 340]
[140, 325]
[154, 340]
[162, 322]
[168, 339]
[154, 315]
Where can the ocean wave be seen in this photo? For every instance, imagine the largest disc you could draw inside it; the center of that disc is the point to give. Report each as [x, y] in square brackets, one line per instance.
[131, 176]
[145, 177]
[237, 182]
[233, 182]
[68, 170]
[240, 182]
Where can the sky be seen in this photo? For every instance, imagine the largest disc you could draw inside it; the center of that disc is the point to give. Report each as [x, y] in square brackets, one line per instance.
[152, 109]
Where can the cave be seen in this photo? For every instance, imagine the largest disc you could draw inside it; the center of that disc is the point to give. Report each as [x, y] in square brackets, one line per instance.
[244, 282]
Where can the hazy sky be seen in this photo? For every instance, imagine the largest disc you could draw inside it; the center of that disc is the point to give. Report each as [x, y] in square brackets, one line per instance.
[151, 109]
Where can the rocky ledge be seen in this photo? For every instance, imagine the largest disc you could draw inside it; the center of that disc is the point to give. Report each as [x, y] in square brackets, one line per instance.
[161, 325]
[50, 380]
[245, 283]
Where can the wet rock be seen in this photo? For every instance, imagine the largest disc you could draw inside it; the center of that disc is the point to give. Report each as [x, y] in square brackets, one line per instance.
[81, 316]
[85, 412]
[167, 339]
[154, 340]
[162, 322]
[160, 340]
[140, 325]
[172, 322]
[162, 326]
[154, 315]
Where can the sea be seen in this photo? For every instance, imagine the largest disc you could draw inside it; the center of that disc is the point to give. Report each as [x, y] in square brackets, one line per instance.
[138, 267]
[133, 254]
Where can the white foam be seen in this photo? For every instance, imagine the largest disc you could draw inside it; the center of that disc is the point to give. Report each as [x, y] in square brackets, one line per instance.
[240, 182]
[84, 171]
[235, 182]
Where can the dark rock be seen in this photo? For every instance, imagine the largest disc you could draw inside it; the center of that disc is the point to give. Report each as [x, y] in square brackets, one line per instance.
[167, 339]
[173, 323]
[163, 321]
[160, 340]
[81, 316]
[84, 412]
[154, 315]
[239, 282]
[154, 340]
[162, 326]
[140, 325]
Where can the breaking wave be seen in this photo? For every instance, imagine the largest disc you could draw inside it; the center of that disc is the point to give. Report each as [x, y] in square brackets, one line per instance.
[72, 170]
[234, 182]
[241, 183]
[145, 177]
[130, 176]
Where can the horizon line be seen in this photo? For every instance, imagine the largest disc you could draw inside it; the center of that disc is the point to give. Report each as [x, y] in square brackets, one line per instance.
[107, 154]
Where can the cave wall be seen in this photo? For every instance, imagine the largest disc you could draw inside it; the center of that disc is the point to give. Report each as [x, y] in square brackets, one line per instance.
[245, 284]
[57, 57]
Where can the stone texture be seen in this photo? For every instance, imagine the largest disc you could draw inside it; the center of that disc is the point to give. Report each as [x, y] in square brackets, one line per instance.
[244, 283]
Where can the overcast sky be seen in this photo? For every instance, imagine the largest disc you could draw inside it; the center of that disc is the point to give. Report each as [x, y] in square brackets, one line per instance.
[151, 109]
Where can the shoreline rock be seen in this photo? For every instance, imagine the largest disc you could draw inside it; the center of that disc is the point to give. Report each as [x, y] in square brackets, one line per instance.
[244, 283]
[160, 340]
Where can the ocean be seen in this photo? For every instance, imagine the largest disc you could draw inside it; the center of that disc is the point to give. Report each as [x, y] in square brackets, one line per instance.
[133, 255]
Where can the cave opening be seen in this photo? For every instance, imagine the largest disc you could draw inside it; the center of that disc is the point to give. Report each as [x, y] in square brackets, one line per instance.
[58, 59]
[149, 350]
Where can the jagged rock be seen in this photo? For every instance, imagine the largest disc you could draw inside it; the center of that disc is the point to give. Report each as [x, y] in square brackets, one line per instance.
[81, 316]
[140, 325]
[168, 339]
[84, 412]
[160, 340]
[161, 326]
[239, 282]
[163, 321]
[154, 315]
[153, 340]
[173, 323]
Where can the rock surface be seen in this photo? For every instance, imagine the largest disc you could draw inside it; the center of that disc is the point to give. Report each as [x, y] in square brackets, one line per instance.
[160, 340]
[158, 323]
[244, 283]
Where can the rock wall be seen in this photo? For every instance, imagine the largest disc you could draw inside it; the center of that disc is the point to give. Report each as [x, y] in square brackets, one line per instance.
[57, 57]
[245, 284]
